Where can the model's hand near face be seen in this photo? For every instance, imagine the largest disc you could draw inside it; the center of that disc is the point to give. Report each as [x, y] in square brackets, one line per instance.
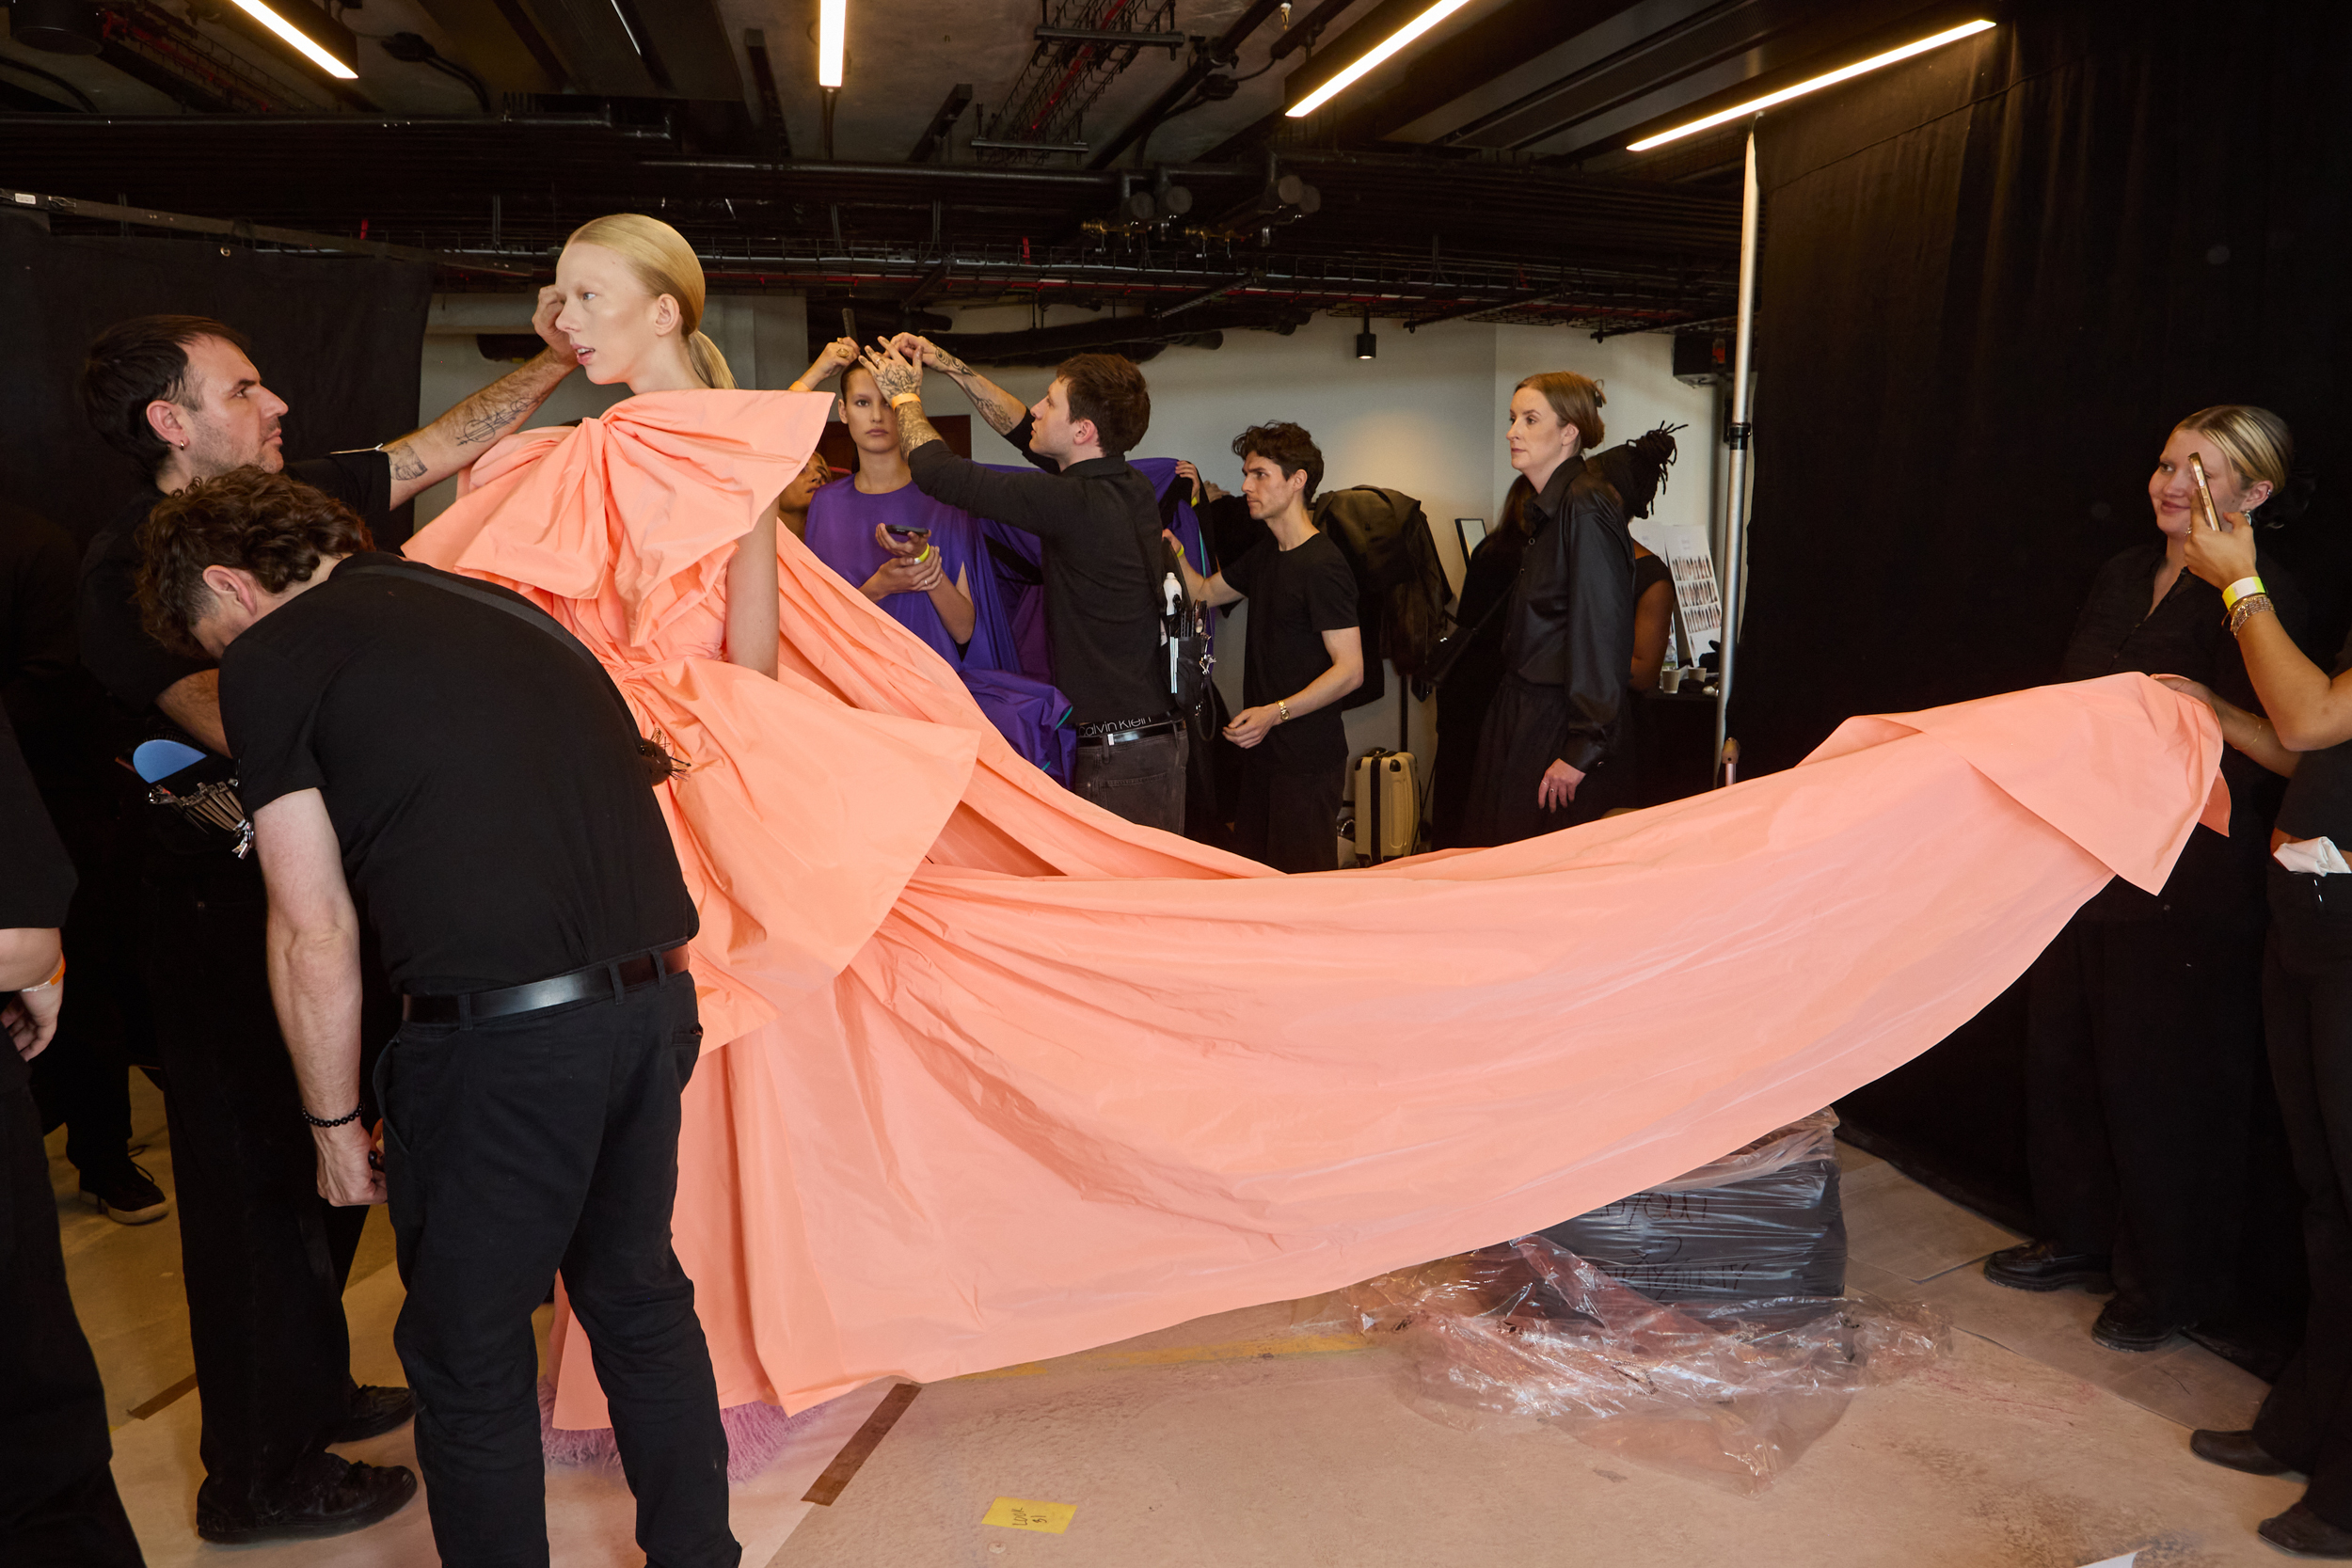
[543, 322]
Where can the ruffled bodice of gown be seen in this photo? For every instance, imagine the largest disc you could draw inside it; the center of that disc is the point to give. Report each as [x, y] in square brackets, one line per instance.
[622, 528]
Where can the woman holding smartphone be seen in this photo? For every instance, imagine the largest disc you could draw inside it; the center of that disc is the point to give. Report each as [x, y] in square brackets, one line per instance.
[908, 553]
[2143, 1025]
[2303, 730]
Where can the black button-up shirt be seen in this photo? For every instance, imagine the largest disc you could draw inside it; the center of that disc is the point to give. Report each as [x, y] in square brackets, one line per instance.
[1100, 524]
[2187, 634]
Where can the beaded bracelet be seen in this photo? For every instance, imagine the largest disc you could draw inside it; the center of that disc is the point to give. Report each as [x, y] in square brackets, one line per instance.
[339, 1121]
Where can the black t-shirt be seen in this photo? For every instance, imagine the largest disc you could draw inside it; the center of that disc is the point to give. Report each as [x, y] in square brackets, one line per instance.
[1295, 595]
[134, 667]
[483, 778]
[2187, 634]
[1099, 527]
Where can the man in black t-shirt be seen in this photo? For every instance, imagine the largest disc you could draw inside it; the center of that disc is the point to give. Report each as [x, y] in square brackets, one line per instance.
[1099, 524]
[441, 754]
[265, 1259]
[1304, 652]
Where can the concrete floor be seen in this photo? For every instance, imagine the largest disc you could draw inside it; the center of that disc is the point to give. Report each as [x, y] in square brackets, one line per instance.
[1263, 1439]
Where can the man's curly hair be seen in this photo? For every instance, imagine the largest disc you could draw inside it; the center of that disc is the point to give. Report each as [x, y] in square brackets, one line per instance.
[271, 525]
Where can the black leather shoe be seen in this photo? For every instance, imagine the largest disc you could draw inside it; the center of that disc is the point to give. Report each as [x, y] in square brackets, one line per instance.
[2236, 1451]
[327, 1497]
[2040, 1267]
[375, 1411]
[2303, 1533]
[2123, 1325]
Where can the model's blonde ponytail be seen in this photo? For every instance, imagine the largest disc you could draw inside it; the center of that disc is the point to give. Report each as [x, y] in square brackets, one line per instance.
[665, 264]
[708, 363]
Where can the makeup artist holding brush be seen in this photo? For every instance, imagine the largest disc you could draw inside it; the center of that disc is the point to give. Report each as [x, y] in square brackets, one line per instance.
[2302, 730]
[2143, 1025]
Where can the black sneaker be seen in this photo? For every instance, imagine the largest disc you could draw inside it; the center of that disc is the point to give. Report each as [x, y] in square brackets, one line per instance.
[2126, 1326]
[327, 1497]
[375, 1411]
[2041, 1266]
[126, 1194]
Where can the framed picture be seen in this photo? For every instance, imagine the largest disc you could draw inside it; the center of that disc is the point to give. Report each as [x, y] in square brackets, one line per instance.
[1472, 532]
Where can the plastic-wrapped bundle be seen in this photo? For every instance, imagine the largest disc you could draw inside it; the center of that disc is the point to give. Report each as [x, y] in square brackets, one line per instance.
[1763, 1221]
[1729, 1394]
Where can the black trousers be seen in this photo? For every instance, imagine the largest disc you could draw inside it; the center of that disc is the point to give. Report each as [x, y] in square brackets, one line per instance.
[1289, 819]
[2307, 1011]
[264, 1258]
[58, 1507]
[1517, 744]
[2143, 1060]
[517, 1147]
[1142, 781]
[83, 1080]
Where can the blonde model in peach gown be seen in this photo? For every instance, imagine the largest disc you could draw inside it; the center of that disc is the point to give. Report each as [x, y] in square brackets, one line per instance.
[992, 1075]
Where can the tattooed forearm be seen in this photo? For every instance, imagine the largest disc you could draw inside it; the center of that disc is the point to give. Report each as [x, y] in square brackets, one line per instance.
[489, 413]
[405, 463]
[913, 429]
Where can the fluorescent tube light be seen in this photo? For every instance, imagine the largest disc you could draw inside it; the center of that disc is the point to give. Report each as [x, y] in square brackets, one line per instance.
[1387, 47]
[301, 42]
[1754, 105]
[833, 25]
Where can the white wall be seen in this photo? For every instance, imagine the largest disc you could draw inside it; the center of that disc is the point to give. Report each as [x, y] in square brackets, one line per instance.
[765, 337]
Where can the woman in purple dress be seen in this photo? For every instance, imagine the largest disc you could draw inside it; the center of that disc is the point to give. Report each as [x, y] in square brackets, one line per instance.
[928, 566]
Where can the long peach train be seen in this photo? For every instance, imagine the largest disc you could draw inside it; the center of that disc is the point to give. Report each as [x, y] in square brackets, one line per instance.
[1004, 1077]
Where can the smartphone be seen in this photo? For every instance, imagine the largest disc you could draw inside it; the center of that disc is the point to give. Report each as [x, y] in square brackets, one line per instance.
[849, 323]
[2204, 495]
[909, 534]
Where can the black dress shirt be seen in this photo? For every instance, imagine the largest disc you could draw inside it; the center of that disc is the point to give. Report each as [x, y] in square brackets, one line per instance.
[1098, 522]
[2187, 634]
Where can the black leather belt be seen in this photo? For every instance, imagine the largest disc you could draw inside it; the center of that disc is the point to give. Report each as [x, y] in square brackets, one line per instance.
[580, 985]
[1165, 727]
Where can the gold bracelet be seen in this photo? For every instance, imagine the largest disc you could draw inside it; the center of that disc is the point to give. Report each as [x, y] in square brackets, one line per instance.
[2247, 608]
[2243, 588]
[905, 398]
[1283, 708]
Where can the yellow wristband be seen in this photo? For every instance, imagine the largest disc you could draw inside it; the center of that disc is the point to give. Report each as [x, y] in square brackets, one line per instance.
[905, 398]
[2243, 588]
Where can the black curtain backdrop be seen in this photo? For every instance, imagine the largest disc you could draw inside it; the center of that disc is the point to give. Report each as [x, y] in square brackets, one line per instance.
[1992, 281]
[340, 338]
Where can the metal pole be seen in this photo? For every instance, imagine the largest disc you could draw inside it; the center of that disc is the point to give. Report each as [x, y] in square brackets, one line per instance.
[1735, 500]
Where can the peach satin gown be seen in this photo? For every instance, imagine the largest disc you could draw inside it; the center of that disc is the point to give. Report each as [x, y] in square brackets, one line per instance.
[992, 1075]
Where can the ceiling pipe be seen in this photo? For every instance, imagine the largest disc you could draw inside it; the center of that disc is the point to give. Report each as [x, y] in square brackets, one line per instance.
[1080, 337]
[1204, 63]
